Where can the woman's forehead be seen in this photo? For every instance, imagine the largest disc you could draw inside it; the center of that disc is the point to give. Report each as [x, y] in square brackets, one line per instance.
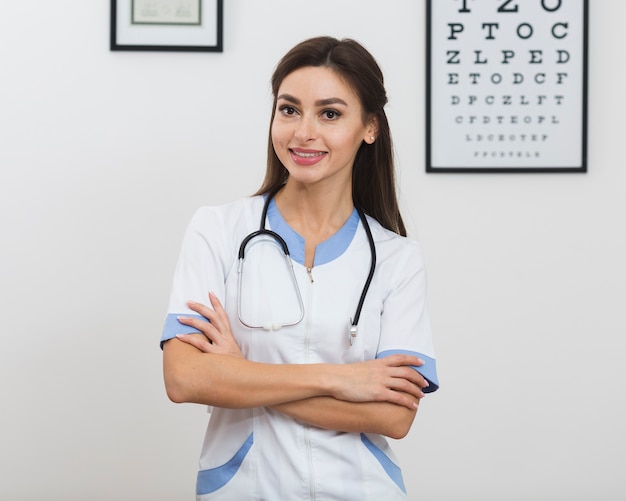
[318, 82]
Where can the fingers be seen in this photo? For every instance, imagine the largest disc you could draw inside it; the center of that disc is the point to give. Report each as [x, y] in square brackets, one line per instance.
[412, 388]
[199, 341]
[406, 391]
[404, 369]
[202, 309]
[405, 400]
[216, 314]
[403, 380]
[197, 323]
[403, 359]
[411, 375]
[215, 302]
[215, 326]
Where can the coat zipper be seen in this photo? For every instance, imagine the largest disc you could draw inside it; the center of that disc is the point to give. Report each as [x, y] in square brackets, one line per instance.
[307, 344]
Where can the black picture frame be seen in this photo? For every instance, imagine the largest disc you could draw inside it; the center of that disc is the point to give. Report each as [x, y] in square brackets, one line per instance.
[470, 124]
[204, 34]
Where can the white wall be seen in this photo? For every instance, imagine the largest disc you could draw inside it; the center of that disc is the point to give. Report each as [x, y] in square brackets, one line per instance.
[103, 158]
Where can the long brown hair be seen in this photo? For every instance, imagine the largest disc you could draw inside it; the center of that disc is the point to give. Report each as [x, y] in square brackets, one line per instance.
[373, 173]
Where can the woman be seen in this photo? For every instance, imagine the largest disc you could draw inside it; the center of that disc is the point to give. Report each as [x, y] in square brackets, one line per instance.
[307, 373]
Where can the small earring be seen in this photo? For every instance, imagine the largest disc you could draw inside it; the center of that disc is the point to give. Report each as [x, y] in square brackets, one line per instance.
[372, 138]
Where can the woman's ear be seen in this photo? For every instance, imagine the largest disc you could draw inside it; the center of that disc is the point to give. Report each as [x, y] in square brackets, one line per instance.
[371, 132]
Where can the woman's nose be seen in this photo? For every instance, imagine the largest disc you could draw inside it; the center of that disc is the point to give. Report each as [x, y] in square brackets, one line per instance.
[306, 129]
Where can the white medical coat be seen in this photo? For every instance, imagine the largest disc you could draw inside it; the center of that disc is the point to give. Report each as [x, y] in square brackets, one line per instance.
[261, 454]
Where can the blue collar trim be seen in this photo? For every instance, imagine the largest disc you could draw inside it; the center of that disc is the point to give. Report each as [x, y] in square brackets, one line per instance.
[326, 251]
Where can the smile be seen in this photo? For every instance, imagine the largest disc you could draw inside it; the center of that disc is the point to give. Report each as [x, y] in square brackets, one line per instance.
[306, 154]
[306, 157]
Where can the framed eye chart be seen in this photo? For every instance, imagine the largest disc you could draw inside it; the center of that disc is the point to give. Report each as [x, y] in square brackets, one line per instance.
[506, 86]
[167, 25]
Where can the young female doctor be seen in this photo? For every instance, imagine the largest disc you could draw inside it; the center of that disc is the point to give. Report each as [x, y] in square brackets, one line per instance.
[299, 314]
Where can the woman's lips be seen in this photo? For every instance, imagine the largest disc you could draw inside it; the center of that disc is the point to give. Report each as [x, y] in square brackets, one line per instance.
[306, 157]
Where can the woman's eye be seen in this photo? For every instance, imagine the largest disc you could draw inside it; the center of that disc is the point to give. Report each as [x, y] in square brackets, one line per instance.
[287, 110]
[331, 114]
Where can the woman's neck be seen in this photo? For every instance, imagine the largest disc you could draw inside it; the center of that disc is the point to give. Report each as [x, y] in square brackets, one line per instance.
[314, 214]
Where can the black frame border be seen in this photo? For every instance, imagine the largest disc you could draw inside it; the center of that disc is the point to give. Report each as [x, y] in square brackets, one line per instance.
[218, 47]
[499, 170]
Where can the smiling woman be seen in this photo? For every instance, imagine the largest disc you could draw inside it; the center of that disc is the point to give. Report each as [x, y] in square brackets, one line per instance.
[304, 393]
[319, 122]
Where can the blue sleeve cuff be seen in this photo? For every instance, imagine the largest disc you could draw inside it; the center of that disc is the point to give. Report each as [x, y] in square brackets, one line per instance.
[428, 370]
[173, 326]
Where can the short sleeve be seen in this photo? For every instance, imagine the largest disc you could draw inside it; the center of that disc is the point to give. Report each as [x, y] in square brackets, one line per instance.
[199, 270]
[405, 322]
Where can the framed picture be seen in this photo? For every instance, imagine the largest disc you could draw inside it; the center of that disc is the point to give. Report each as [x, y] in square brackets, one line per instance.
[506, 86]
[167, 25]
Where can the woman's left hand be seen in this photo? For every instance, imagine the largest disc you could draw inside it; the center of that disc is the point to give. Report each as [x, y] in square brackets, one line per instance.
[218, 337]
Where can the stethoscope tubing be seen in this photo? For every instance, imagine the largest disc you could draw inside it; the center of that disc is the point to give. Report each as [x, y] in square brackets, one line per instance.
[354, 321]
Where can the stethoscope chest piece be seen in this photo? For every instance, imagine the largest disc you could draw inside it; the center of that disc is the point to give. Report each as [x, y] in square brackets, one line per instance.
[352, 332]
[272, 327]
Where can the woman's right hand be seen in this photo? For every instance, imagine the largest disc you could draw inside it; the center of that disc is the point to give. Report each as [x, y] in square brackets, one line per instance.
[218, 336]
[388, 379]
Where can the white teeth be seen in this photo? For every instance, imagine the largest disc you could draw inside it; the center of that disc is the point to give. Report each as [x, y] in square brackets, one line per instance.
[308, 155]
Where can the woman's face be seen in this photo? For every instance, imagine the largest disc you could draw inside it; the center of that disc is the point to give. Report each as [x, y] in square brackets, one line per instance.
[318, 126]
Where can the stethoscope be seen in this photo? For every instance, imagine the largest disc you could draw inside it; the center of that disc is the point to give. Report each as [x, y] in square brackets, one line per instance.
[354, 321]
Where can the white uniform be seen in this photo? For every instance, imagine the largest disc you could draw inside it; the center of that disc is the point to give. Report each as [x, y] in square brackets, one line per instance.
[261, 454]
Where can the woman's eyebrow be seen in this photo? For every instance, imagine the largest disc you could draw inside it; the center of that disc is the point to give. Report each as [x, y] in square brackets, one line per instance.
[288, 97]
[321, 102]
[328, 102]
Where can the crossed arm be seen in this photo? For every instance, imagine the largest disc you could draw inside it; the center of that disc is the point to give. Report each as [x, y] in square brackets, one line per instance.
[377, 396]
